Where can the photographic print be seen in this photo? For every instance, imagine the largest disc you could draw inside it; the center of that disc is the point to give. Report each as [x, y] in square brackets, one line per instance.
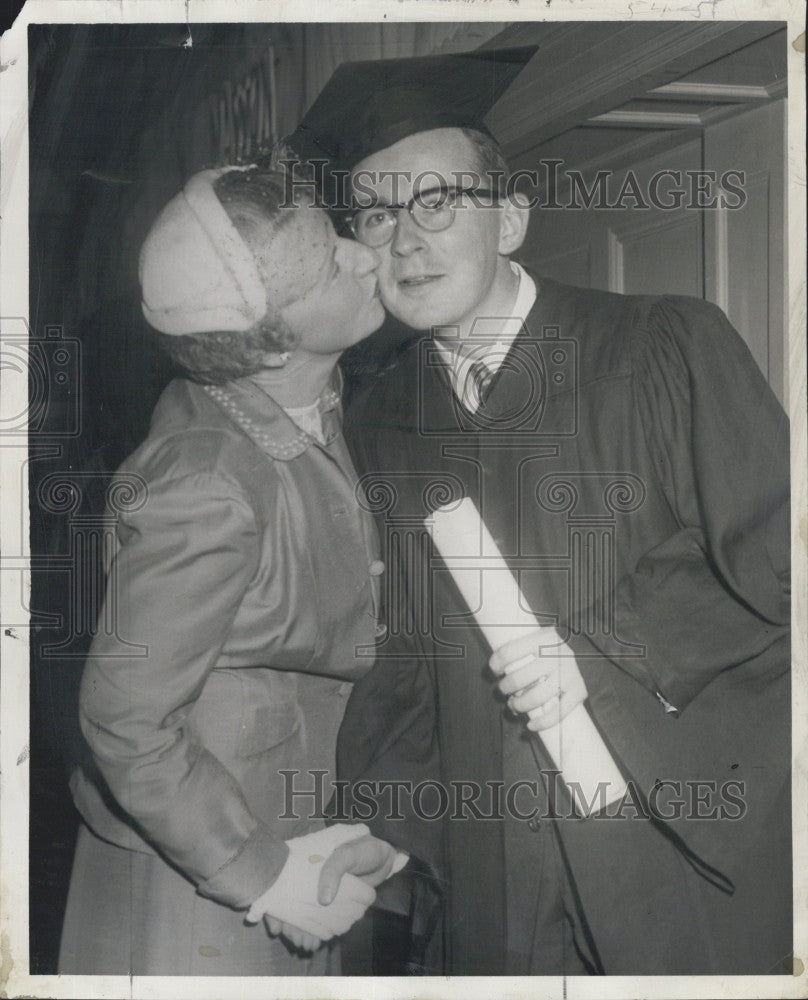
[403, 430]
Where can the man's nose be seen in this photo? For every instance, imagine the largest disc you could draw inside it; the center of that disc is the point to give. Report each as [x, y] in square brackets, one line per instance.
[407, 236]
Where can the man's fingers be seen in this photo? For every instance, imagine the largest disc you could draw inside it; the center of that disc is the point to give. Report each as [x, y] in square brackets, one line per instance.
[512, 653]
[534, 673]
[274, 926]
[529, 689]
[545, 717]
[536, 696]
[346, 919]
[553, 711]
[508, 656]
[357, 892]
[331, 874]
[354, 897]
[359, 857]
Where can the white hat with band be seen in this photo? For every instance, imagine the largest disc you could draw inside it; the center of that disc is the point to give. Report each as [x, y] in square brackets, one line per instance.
[197, 275]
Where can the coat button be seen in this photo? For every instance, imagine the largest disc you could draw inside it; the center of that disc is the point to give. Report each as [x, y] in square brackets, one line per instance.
[533, 824]
[376, 568]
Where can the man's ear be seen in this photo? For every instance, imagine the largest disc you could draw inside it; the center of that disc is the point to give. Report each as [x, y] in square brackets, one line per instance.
[513, 223]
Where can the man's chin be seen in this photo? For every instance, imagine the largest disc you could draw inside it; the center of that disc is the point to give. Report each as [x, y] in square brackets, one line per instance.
[421, 319]
[418, 308]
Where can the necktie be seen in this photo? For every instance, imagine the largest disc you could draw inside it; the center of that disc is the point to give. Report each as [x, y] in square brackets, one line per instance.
[481, 377]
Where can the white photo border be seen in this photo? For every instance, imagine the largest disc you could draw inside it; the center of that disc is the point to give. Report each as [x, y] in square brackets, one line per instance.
[15, 979]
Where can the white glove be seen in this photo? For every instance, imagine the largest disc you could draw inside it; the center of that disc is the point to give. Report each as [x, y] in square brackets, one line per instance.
[292, 897]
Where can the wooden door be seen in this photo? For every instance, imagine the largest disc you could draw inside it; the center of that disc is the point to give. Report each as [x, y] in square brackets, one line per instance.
[704, 217]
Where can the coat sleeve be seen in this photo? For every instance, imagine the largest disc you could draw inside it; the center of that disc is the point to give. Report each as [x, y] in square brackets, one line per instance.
[185, 561]
[716, 592]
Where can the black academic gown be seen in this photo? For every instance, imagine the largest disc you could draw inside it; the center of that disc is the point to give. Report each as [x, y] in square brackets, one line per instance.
[633, 457]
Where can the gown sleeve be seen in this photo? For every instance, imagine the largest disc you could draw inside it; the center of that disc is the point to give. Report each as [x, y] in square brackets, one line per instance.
[185, 561]
[715, 593]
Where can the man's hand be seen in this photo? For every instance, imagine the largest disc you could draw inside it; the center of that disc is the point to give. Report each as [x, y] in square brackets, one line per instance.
[544, 687]
[368, 858]
[292, 902]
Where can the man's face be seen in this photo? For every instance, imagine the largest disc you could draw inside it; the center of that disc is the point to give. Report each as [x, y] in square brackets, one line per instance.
[432, 278]
[323, 286]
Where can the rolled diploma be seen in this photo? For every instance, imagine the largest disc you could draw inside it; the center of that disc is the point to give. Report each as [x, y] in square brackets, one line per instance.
[471, 555]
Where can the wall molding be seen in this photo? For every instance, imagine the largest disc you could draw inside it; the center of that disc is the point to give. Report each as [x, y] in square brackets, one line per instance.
[580, 74]
[733, 93]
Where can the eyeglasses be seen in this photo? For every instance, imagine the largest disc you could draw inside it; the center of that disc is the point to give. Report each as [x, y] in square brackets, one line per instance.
[432, 210]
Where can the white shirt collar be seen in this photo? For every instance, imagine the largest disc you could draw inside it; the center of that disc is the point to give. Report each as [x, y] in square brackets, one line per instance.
[494, 354]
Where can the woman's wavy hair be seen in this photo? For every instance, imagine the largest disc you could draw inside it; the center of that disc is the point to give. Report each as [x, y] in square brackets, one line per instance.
[252, 200]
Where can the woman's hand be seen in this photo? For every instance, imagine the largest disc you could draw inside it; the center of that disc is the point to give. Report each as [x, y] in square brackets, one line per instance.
[299, 938]
[540, 677]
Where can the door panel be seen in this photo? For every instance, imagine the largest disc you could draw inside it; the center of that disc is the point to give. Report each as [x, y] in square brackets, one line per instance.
[745, 246]
[663, 256]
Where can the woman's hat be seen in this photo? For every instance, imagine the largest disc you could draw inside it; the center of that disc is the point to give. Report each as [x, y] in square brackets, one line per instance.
[197, 274]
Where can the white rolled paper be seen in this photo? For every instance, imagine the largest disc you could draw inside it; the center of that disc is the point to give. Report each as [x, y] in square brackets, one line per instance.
[500, 610]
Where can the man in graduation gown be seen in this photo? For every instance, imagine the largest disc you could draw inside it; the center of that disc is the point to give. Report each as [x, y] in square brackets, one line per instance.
[631, 463]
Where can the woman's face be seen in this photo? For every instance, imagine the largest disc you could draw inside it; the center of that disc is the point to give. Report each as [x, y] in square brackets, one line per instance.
[323, 286]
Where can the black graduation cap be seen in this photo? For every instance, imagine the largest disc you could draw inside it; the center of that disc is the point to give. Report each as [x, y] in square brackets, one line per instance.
[367, 106]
